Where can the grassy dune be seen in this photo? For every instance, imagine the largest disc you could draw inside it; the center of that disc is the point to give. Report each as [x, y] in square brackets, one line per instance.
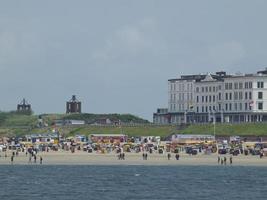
[18, 124]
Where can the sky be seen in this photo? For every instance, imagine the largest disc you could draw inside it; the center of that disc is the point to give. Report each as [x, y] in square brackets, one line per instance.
[117, 56]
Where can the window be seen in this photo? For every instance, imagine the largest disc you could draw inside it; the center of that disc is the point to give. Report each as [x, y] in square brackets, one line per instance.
[220, 87]
[240, 95]
[214, 89]
[235, 95]
[202, 98]
[197, 89]
[236, 86]
[210, 89]
[259, 95]
[246, 106]
[240, 85]
[250, 85]
[202, 89]
[230, 106]
[230, 86]
[226, 106]
[246, 95]
[206, 98]
[220, 96]
[240, 106]
[220, 106]
[235, 106]
[226, 96]
[260, 105]
[206, 89]
[202, 108]
[197, 99]
[226, 86]
[213, 98]
[209, 98]
[260, 84]
[197, 108]
[250, 95]
[246, 85]
[230, 96]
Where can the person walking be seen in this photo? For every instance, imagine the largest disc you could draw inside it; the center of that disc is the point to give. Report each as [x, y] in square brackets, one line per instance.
[41, 160]
[231, 160]
[169, 156]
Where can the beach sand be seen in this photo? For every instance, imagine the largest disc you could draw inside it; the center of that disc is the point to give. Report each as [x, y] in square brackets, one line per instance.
[84, 158]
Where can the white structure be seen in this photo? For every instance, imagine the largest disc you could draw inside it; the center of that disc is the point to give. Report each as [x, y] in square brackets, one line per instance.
[220, 97]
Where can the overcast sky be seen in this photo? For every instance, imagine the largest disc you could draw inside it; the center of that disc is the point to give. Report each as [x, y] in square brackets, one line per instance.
[117, 56]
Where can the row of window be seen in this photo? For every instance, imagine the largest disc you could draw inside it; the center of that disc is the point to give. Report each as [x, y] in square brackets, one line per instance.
[230, 107]
[209, 89]
[182, 86]
[182, 97]
[227, 86]
[237, 85]
[212, 98]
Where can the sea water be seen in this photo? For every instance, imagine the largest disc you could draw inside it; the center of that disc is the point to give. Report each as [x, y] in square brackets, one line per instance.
[132, 182]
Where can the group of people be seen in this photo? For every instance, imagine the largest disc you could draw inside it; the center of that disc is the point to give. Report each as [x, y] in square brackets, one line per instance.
[223, 161]
[32, 154]
[121, 156]
[144, 156]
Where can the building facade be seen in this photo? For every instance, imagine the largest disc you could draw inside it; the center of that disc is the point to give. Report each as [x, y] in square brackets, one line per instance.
[215, 97]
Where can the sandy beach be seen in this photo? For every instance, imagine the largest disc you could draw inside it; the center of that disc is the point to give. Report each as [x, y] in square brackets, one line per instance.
[83, 158]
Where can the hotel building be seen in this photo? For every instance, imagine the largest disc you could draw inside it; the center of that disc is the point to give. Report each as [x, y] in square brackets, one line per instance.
[215, 97]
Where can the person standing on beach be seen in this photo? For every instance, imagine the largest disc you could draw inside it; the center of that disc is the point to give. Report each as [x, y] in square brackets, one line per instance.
[219, 159]
[12, 159]
[41, 160]
[231, 160]
[224, 160]
[177, 156]
[34, 157]
[169, 156]
[145, 156]
[30, 159]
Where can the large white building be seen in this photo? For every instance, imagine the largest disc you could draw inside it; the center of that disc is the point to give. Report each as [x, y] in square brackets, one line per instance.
[219, 96]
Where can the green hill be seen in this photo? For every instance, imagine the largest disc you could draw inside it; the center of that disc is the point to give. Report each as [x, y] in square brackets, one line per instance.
[12, 123]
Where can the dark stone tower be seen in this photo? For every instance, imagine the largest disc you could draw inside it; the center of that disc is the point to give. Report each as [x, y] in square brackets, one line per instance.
[24, 106]
[73, 106]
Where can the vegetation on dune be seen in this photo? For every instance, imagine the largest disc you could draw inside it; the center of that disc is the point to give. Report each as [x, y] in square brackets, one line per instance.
[12, 123]
[162, 131]
[258, 129]
[90, 118]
